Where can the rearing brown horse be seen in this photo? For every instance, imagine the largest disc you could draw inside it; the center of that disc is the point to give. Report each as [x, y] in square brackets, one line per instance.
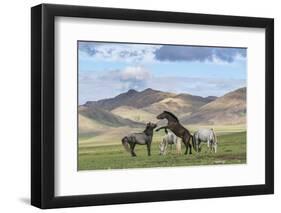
[175, 126]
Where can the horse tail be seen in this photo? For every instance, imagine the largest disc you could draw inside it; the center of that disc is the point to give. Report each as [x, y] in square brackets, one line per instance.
[125, 143]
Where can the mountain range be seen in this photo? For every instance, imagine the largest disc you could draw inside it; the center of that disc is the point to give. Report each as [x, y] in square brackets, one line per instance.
[134, 108]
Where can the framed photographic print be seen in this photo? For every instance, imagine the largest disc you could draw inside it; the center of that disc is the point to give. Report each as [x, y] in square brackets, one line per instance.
[140, 106]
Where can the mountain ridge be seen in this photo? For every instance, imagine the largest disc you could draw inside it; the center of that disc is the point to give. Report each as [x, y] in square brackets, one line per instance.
[130, 98]
[133, 109]
[145, 98]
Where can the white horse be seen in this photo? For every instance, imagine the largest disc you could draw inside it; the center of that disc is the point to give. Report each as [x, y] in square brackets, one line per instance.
[169, 139]
[205, 135]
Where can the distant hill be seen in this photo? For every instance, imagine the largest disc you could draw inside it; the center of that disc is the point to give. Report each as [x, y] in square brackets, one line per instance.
[227, 109]
[131, 98]
[134, 114]
[88, 126]
[103, 117]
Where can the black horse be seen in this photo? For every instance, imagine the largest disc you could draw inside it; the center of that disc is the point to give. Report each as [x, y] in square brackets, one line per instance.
[142, 138]
[175, 126]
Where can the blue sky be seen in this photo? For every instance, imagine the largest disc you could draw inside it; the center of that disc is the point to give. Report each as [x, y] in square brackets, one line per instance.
[108, 69]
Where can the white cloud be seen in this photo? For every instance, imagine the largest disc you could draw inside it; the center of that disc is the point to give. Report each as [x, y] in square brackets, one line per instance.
[134, 73]
[129, 77]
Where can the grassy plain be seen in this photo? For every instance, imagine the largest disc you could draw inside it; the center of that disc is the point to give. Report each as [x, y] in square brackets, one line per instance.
[106, 151]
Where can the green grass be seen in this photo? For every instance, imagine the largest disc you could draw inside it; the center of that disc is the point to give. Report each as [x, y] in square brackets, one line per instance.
[231, 150]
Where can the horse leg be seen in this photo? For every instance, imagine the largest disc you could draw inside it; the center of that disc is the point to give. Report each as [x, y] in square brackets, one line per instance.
[165, 147]
[132, 146]
[197, 146]
[186, 146]
[161, 145]
[190, 148]
[148, 149]
[211, 146]
[178, 146]
[163, 127]
[215, 147]
[189, 145]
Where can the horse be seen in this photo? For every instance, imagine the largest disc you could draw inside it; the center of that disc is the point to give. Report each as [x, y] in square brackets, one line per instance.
[143, 138]
[175, 126]
[205, 135]
[169, 139]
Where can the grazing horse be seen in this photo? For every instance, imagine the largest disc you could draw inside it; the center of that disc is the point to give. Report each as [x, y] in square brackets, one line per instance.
[175, 126]
[169, 139]
[143, 138]
[205, 135]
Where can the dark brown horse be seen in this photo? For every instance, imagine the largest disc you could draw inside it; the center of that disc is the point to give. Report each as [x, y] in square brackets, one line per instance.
[175, 126]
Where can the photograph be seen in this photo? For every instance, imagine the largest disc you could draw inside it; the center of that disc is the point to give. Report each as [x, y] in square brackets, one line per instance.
[143, 105]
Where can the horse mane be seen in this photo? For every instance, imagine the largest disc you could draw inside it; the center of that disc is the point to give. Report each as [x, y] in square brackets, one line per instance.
[171, 114]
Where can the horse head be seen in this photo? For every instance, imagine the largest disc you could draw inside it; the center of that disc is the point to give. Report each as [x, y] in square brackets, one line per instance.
[151, 125]
[163, 115]
[168, 115]
[149, 128]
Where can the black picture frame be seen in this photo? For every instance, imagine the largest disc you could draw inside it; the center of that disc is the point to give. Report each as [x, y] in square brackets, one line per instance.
[43, 102]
